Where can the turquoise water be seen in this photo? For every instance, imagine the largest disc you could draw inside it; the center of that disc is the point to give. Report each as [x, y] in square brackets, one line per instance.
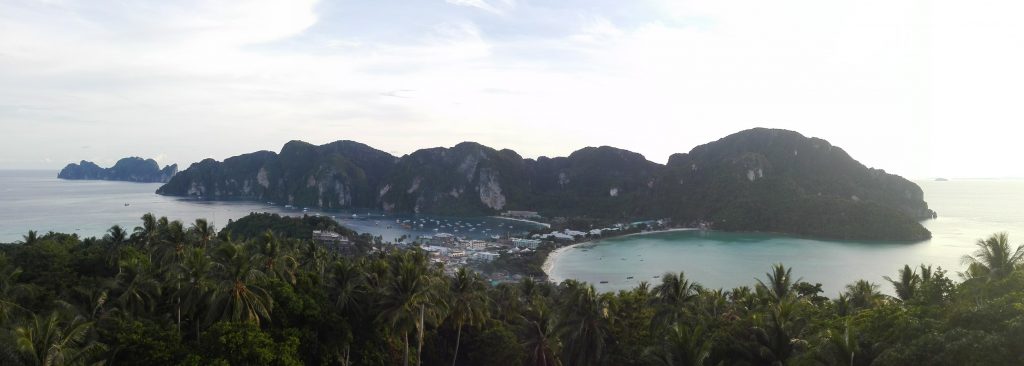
[968, 210]
[37, 200]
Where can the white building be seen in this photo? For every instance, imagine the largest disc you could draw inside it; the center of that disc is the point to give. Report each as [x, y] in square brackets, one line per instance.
[525, 243]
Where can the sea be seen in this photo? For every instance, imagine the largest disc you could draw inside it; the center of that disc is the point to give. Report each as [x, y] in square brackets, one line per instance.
[968, 210]
[37, 200]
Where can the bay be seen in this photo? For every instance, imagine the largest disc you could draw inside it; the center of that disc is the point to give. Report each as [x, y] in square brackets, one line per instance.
[37, 200]
[968, 210]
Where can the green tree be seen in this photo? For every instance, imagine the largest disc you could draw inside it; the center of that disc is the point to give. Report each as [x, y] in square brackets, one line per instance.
[780, 283]
[994, 259]
[907, 284]
[237, 293]
[467, 303]
[55, 340]
[682, 346]
[584, 324]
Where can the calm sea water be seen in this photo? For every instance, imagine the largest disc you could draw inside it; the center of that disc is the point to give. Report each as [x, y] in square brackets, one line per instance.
[968, 210]
[36, 200]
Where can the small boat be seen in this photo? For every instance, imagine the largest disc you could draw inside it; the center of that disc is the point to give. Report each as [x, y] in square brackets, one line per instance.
[127, 204]
[629, 278]
[604, 281]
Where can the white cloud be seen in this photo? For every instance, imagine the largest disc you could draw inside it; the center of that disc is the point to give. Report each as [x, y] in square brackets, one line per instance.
[895, 83]
[484, 5]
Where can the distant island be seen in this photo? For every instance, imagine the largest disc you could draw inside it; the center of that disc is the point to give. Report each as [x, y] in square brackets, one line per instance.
[131, 169]
[767, 180]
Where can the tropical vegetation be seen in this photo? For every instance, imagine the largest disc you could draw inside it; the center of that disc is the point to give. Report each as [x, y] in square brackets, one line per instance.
[171, 293]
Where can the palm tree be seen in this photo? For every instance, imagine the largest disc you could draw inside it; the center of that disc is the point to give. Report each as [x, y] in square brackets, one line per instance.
[672, 299]
[863, 294]
[193, 284]
[31, 238]
[137, 289]
[683, 346]
[273, 259]
[148, 232]
[116, 235]
[203, 231]
[541, 332]
[907, 284]
[51, 341]
[236, 293]
[405, 295]
[468, 303]
[10, 291]
[777, 336]
[994, 259]
[584, 324]
[780, 283]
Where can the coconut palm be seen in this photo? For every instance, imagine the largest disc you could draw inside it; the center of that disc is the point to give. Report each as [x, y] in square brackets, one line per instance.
[467, 304]
[778, 335]
[683, 346]
[907, 284]
[31, 238]
[994, 259]
[273, 259]
[52, 341]
[780, 283]
[405, 294]
[584, 324]
[10, 290]
[148, 232]
[863, 294]
[203, 231]
[116, 235]
[673, 298]
[236, 292]
[541, 333]
[135, 286]
[193, 284]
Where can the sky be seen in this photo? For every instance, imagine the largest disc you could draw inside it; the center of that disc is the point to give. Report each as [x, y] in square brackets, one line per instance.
[924, 89]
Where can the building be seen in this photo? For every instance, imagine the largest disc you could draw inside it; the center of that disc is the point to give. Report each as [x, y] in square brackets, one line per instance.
[333, 241]
[525, 243]
[485, 256]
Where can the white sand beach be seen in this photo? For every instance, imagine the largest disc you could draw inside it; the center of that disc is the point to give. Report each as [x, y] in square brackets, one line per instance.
[552, 260]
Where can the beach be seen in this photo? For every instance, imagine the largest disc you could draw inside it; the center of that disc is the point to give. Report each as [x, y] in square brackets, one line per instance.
[552, 260]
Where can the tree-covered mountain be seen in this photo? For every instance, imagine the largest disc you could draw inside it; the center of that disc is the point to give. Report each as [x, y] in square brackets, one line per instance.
[759, 179]
[131, 169]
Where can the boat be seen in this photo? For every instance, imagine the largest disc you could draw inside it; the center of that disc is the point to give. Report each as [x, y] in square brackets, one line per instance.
[126, 204]
[941, 180]
[604, 281]
[629, 278]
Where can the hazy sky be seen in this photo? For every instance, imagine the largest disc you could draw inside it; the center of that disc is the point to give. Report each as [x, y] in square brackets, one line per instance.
[920, 88]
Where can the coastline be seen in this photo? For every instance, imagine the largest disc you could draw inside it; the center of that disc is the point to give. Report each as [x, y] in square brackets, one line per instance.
[523, 220]
[552, 258]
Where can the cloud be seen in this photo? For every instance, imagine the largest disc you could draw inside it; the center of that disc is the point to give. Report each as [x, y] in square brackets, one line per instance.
[484, 5]
[891, 82]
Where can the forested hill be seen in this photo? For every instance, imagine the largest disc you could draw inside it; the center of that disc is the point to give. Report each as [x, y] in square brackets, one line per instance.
[131, 169]
[758, 180]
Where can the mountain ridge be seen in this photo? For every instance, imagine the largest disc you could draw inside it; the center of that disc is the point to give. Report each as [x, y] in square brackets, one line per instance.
[754, 180]
[130, 169]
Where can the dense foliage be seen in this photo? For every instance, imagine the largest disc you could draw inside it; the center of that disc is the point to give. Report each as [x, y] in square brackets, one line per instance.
[131, 169]
[170, 294]
[754, 180]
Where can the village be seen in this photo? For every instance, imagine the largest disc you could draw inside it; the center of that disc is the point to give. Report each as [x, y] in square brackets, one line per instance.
[453, 251]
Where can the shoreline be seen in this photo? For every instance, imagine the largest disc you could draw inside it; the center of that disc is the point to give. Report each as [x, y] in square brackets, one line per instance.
[553, 256]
